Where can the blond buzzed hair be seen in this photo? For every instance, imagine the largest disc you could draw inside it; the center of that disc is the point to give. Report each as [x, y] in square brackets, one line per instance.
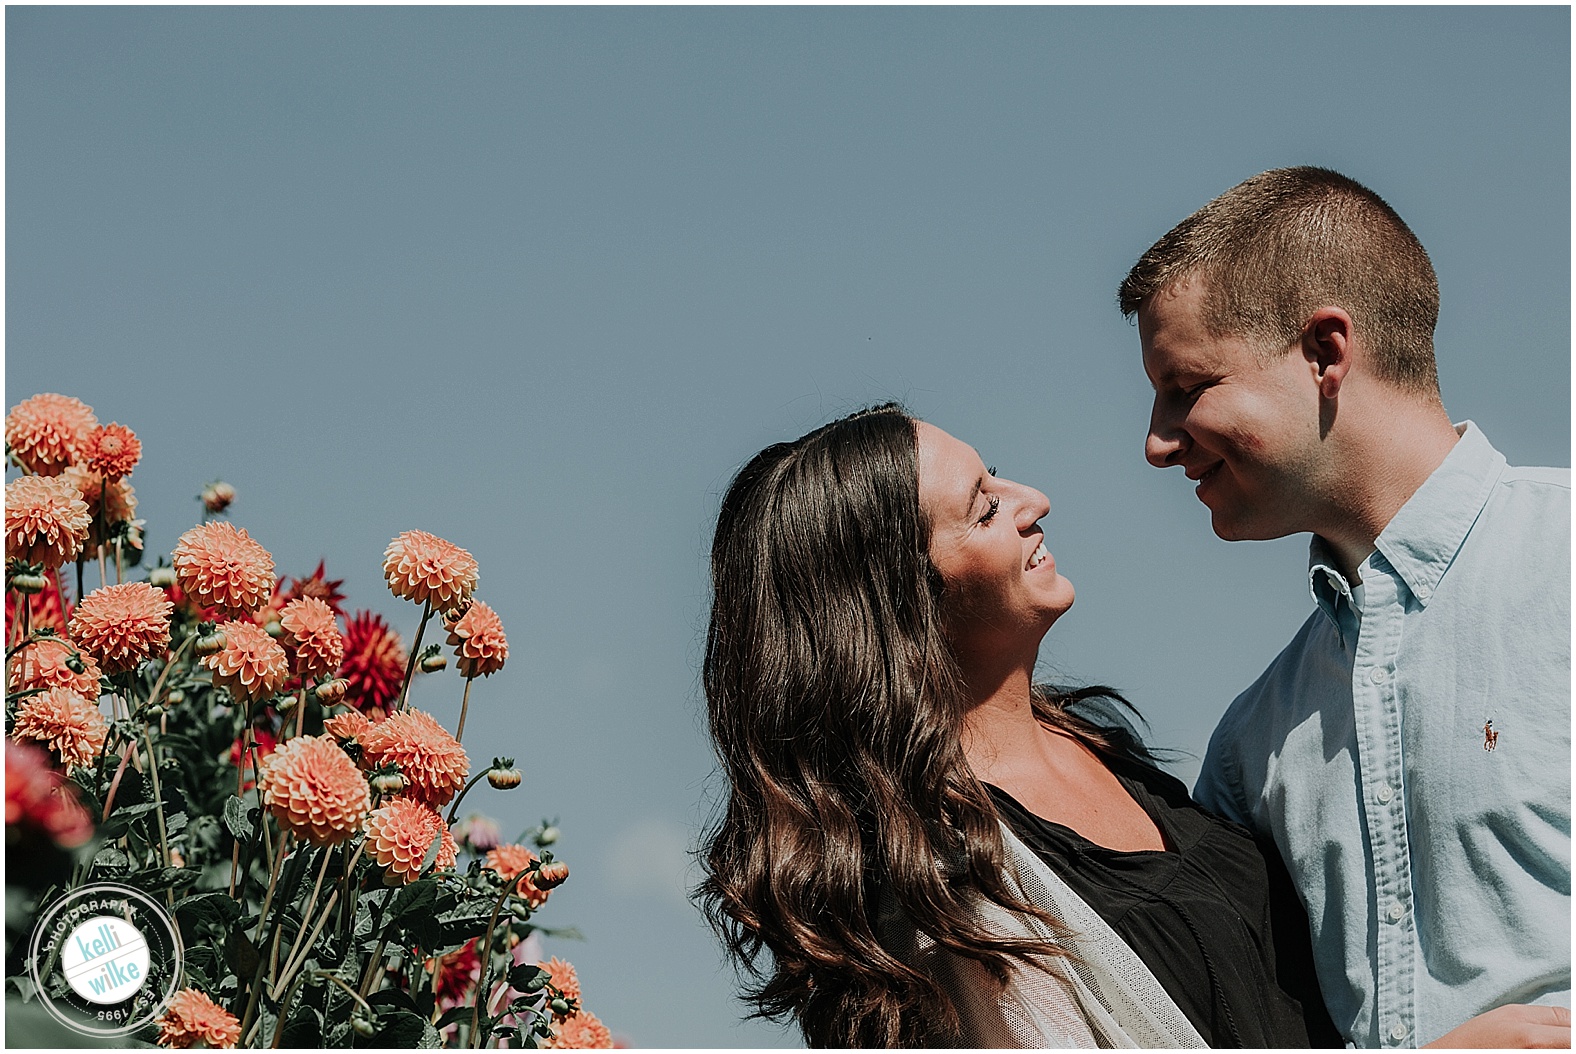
[1275, 248]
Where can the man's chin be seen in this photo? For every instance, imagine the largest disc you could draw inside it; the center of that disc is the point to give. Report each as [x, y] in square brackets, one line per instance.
[1239, 528]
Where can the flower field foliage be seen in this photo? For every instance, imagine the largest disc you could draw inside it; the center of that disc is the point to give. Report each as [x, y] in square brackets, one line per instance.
[235, 744]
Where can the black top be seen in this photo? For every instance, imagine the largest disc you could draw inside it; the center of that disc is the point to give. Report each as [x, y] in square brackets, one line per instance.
[1213, 916]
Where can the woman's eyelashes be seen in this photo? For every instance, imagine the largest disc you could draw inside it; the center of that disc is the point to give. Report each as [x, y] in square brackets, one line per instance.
[990, 513]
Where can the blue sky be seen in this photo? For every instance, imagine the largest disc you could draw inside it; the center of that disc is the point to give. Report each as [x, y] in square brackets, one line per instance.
[540, 280]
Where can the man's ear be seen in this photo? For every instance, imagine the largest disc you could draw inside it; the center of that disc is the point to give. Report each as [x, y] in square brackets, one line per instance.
[1327, 345]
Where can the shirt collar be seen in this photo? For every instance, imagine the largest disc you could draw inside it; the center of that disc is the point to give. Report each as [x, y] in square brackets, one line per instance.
[1422, 539]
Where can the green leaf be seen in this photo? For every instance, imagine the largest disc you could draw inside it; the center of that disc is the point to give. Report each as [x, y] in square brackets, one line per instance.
[528, 978]
[111, 859]
[120, 820]
[415, 899]
[157, 881]
[303, 1028]
[241, 955]
[401, 1028]
[235, 818]
[455, 1015]
[201, 911]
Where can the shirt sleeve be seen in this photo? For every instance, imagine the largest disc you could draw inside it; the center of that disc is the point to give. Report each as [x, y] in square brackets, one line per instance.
[1219, 787]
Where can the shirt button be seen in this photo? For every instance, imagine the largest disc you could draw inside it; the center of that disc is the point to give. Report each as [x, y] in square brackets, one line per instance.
[1378, 675]
[1397, 1031]
[1386, 792]
[1396, 913]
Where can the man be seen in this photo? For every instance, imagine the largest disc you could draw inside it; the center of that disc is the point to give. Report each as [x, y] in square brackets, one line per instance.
[1287, 329]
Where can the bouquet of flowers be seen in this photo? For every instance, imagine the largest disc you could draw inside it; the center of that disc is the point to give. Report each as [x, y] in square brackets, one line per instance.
[231, 744]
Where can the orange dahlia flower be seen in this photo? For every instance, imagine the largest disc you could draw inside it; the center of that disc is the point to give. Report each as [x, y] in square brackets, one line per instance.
[562, 977]
[46, 521]
[374, 663]
[399, 836]
[425, 568]
[121, 626]
[252, 665]
[45, 433]
[43, 664]
[480, 646]
[348, 725]
[194, 1020]
[312, 637]
[112, 450]
[219, 565]
[65, 722]
[432, 761]
[582, 1031]
[510, 860]
[37, 798]
[314, 789]
[110, 503]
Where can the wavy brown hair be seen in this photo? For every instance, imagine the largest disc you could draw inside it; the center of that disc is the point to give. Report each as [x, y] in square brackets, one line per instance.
[836, 708]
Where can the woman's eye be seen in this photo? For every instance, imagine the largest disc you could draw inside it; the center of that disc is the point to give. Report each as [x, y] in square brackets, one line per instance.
[990, 513]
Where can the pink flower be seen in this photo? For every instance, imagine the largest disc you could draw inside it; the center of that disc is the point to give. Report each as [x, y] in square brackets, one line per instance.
[314, 789]
[46, 521]
[480, 644]
[431, 760]
[194, 1020]
[123, 626]
[66, 723]
[399, 836]
[219, 565]
[36, 797]
[44, 663]
[112, 450]
[45, 433]
[251, 664]
[312, 637]
[426, 569]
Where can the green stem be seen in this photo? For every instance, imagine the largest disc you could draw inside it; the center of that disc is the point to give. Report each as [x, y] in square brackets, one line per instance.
[410, 666]
[372, 964]
[465, 702]
[487, 952]
[158, 795]
[455, 808]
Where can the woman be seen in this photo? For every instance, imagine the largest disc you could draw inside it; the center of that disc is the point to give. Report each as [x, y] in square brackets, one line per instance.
[933, 850]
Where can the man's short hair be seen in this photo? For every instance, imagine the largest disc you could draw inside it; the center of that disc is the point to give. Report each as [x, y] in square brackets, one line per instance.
[1276, 247]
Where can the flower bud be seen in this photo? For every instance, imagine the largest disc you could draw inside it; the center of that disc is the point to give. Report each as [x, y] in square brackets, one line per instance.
[433, 663]
[153, 712]
[27, 582]
[548, 835]
[216, 497]
[365, 1027]
[175, 697]
[552, 875]
[560, 1007]
[274, 629]
[332, 691]
[503, 779]
[161, 577]
[210, 643]
[388, 783]
[286, 703]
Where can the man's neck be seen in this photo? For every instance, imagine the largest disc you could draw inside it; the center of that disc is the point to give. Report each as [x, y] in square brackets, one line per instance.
[1380, 473]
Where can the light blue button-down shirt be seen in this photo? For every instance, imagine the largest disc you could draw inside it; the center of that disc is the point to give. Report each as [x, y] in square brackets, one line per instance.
[1436, 872]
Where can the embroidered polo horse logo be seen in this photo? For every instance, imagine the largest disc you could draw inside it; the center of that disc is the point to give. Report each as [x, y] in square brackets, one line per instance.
[1490, 737]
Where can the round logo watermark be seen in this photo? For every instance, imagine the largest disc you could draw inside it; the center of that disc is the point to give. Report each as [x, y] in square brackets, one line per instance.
[106, 959]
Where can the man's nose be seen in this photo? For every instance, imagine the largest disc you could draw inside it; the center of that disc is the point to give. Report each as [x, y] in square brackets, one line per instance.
[1166, 442]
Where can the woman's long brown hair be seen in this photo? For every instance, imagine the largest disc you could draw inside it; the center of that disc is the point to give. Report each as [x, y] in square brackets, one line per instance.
[836, 709]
